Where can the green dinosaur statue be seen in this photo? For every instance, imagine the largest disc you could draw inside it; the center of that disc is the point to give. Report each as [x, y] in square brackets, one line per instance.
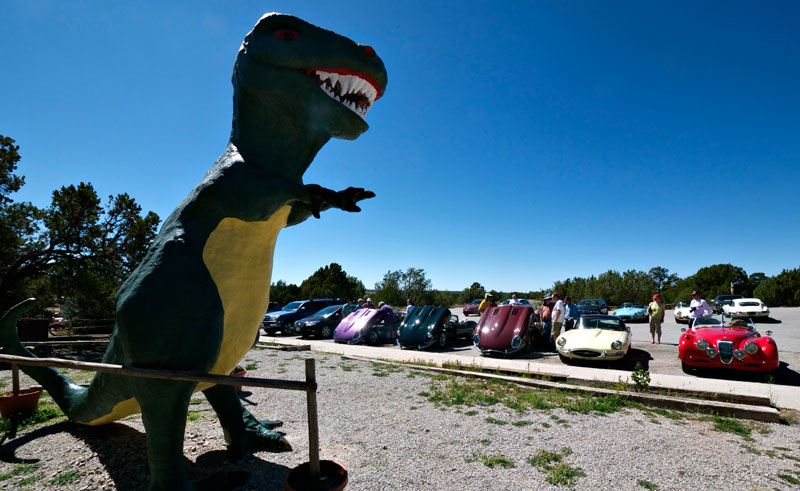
[196, 301]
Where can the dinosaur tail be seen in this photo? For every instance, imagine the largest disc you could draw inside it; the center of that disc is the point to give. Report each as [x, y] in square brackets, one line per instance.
[67, 394]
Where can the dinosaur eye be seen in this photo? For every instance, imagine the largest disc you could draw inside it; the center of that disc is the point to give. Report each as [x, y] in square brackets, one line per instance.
[286, 35]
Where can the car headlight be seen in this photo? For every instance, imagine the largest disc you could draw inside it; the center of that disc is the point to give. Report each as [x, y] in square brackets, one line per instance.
[476, 339]
[429, 336]
[561, 341]
[613, 312]
[711, 352]
[616, 344]
[516, 341]
[751, 348]
[739, 354]
[702, 344]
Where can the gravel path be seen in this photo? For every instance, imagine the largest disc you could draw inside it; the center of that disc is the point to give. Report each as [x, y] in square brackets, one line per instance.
[374, 421]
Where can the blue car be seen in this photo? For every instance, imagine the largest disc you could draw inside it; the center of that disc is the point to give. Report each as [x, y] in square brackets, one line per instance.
[631, 312]
[592, 306]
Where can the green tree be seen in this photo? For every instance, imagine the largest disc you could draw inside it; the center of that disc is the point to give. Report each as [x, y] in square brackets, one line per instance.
[75, 248]
[282, 293]
[662, 278]
[390, 289]
[331, 282]
[474, 291]
[716, 280]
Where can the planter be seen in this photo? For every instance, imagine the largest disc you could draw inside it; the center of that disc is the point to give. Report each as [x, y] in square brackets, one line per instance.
[21, 405]
[238, 374]
[333, 477]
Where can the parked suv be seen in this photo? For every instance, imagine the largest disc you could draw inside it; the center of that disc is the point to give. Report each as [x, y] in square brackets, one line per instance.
[283, 320]
[720, 300]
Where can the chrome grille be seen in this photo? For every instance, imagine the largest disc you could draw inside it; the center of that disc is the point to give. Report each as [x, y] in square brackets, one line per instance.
[725, 348]
[586, 353]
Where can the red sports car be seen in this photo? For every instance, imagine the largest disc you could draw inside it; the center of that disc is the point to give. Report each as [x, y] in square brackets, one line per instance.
[722, 342]
[503, 330]
[472, 308]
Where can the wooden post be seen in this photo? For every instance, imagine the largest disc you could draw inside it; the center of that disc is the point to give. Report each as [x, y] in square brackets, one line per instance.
[313, 428]
[15, 379]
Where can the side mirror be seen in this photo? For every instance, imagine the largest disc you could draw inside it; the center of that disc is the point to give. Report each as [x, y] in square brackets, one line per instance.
[768, 333]
[683, 329]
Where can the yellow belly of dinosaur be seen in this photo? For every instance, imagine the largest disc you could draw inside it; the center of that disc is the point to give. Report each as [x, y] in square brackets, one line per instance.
[238, 254]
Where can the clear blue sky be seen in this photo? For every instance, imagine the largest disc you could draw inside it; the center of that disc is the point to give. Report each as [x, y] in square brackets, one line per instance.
[517, 143]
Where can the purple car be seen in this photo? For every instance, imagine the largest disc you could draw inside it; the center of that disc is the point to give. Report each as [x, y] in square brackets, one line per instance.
[363, 325]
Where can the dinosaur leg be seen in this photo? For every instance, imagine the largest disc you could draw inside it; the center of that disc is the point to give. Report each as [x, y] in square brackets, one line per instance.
[243, 432]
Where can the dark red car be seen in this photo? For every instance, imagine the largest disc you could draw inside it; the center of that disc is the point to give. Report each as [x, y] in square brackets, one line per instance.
[722, 342]
[472, 308]
[504, 330]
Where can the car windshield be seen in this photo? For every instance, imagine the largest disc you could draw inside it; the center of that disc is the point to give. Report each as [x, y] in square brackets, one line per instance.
[722, 321]
[329, 310]
[475, 302]
[749, 304]
[602, 323]
[291, 307]
[592, 303]
[682, 304]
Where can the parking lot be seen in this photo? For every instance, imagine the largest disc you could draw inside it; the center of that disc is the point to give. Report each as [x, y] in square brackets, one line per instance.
[663, 358]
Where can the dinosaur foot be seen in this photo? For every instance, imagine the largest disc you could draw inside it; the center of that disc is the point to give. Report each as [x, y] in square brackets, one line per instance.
[270, 425]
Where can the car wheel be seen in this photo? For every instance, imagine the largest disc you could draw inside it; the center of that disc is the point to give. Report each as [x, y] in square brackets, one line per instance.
[564, 359]
[287, 328]
[372, 337]
[442, 340]
[326, 332]
[687, 368]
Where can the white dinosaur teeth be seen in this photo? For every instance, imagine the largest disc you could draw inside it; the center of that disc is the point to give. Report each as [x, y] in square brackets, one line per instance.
[354, 92]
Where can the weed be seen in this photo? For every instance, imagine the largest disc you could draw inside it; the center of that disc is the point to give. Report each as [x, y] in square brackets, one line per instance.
[493, 421]
[40, 415]
[647, 484]
[753, 450]
[65, 477]
[681, 473]
[546, 425]
[346, 368]
[545, 458]
[790, 457]
[770, 453]
[424, 394]
[196, 415]
[558, 472]
[196, 401]
[20, 470]
[380, 374]
[30, 480]
[491, 461]
[667, 414]
[470, 413]
[252, 365]
[727, 425]
[790, 479]
[784, 449]
[522, 423]
[413, 408]
[485, 442]
[640, 377]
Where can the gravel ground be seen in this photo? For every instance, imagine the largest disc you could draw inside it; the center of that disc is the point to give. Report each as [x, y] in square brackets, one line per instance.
[375, 422]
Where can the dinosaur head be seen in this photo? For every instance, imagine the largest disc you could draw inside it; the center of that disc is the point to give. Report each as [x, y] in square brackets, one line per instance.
[306, 78]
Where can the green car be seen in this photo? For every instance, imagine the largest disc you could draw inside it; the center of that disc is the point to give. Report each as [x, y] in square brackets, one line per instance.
[424, 327]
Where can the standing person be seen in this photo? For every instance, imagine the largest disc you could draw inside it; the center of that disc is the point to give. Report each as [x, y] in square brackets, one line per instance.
[487, 302]
[559, 314]
[513, 300]
[656, 312]
[573, 314]
[409, 306]
[359, 303]
[349, 308]
[697, 308]
[546, 318]
[368, 304]
[387, 314]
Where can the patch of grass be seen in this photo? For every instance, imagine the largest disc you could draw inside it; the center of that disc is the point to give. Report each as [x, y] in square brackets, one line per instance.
[667, 414]
[753, 450]
[558, 472]
[790, 479]
[197, 415]
[413, 408]
[545, 425]
[494, 421]
[346, 368]
[770, 453]
[783, 448]
[30, 480]
[424, 394]
[491, 461]
[522, 423]
[470, 413]
[728, 425]
[485, 442]
[380, 374]
[41, 415]
[21, 470]
[65, 477]
[252, 365]
[196, 401]
[681, 473]
[790, 457]
[647, 484]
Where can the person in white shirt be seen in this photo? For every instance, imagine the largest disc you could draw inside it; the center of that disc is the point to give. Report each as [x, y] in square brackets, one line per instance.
[697, 308]
[513, 300]
[409, 306]
[559, 314]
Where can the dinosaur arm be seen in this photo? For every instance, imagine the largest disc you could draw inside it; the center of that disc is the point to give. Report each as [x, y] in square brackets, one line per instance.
[319, 199]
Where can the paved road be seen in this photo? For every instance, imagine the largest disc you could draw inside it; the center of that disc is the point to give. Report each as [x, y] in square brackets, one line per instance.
[663, 358]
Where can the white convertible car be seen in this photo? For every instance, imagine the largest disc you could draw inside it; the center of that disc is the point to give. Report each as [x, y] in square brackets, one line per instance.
[596, 337]
[746, 307]
[682, 312]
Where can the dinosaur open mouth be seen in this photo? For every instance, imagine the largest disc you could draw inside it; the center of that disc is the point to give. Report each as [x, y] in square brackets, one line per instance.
[354, 90]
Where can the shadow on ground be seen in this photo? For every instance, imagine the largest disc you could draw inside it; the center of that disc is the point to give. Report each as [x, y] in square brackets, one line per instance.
[122, 450]
[782, 376]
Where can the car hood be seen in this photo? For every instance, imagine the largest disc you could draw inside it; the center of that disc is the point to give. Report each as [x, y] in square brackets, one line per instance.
[589, 307]
[416, 325]
[594, 339]
[355, 323]
[279, 313]
[499, 325]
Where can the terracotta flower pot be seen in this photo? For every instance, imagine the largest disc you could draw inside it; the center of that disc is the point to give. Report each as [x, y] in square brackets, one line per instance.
[332, 477]
[238, 374]
[22, 404]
